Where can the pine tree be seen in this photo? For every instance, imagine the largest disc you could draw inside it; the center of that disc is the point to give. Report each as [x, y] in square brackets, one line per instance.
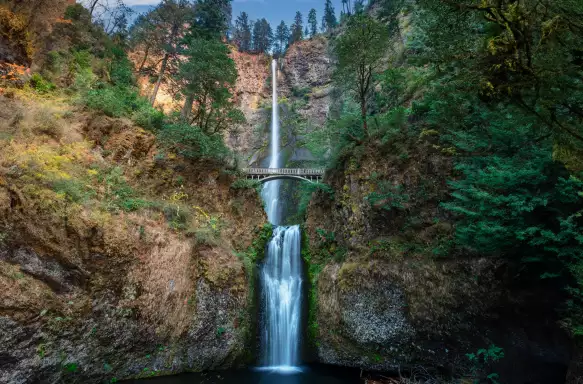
[329, 20]
[297, 29]
[242, 36]
[281, 38]
[262, 36]
[313, 22]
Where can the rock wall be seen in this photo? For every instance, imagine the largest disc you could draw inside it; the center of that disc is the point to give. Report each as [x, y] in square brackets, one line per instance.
[390, 293]
[93, 293]
[306, 73]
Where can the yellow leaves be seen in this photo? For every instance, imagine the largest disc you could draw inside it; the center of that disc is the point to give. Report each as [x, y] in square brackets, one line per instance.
[92, 172]
[46, 162]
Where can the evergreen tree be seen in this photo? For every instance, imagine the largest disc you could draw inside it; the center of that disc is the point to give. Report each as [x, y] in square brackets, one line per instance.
[358, 6]
[329, 20]
[360, 50]
[169, 20]
[282, 37]
[313, 22]
[242, 35]
[262, 36]
[297, 28]
[211, 19]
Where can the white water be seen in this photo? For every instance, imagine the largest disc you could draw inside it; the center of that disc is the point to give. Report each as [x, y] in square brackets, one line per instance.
[281, 275]
[270, 192]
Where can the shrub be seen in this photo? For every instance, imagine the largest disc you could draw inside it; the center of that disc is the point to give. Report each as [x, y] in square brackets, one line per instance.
[73, 190]
[39, 84]
[246, 184]
[191, 142]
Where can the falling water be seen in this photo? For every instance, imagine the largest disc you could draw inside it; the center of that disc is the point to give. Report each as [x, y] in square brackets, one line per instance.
[281, 275]
[270, 192]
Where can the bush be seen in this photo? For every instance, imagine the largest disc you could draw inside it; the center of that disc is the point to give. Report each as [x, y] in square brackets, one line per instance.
[246, 184]
[73, 190]
[39, 84]
[191, 142]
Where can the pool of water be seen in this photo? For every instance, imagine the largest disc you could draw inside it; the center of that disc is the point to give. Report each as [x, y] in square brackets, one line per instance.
[303, 375]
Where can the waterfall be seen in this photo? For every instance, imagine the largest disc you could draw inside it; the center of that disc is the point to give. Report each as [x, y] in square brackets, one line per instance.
[281, 274]
[270, 192]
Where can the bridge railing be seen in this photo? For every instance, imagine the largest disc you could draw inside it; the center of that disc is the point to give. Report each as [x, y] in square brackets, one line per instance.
[285, 171]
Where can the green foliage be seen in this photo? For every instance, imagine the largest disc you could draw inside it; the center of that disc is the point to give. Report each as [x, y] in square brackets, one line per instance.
[246, 184]
[39, 84]
[74, 190]
[388, 197]
[192, 142]
[121, 101]
[71, 367]
[360, 51]
[513, 196]
[481, 363]
[118, 193]
[209, 75]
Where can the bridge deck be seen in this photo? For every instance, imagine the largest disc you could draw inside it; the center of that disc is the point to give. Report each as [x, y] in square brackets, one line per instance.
[285, 171]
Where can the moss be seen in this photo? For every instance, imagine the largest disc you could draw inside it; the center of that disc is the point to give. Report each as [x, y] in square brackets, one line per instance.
[314, 269]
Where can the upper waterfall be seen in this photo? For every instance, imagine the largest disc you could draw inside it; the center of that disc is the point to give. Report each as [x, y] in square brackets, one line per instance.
[270, 192]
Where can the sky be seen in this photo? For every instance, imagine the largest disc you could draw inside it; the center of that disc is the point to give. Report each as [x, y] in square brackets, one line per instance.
[273, 10]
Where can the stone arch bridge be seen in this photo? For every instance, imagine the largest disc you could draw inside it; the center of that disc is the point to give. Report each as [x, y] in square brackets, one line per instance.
[263, 175]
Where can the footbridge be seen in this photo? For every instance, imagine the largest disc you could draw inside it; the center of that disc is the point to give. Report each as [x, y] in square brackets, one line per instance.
[263, 175]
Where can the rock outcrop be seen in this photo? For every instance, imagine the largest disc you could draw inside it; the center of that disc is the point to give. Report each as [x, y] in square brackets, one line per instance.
[307, 74]
[95, 291]
[390, 293]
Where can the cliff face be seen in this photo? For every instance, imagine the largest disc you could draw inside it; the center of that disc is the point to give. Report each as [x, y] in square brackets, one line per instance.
[115, 264]
[389, 292]
[252, 94]
[306, 74]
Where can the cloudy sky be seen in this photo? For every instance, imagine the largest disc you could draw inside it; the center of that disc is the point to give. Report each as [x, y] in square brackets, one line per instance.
[273, 10]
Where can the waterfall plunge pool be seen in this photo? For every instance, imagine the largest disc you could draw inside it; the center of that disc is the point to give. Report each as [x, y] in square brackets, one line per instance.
[310, 374]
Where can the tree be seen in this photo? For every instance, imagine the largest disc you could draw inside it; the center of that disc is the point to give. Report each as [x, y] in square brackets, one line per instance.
[169, 19]
[262, 36]
[313, 22]
[297, 28]
[329, 20]
[242, 36]
[209, 74]
[282, 37]
[358, 6]
[360, 50]
[211, 19]
[142, 35]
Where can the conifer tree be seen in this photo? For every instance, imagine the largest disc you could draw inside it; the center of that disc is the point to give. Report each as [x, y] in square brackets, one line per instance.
[262, 36]
[281, 38]
[242, 35]
[329, 20]
[313, 22]
[297, 29]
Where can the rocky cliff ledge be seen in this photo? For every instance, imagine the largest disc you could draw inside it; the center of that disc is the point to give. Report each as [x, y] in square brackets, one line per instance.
[115, 263]
[389, 292]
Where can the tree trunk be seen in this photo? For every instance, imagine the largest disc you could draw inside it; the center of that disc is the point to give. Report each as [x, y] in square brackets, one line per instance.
[160, 76]
[145, 58]
[363, 115]
[187, 108]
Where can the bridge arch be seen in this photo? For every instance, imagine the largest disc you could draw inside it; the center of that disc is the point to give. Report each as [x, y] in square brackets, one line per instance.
[286, 177]
[263, 175]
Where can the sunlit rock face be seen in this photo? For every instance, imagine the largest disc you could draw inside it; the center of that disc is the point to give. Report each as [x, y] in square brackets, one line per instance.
[307, 75]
